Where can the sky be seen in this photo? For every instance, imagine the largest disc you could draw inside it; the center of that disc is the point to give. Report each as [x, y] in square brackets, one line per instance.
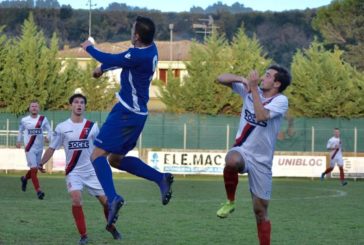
[185, 5]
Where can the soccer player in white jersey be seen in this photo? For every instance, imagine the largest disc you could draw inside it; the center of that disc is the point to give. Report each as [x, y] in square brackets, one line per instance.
[31, 131]
[262, 113]
[76, 135]
[336, 156]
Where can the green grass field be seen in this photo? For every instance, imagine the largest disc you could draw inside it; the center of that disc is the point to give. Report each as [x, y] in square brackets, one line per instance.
[302, 211]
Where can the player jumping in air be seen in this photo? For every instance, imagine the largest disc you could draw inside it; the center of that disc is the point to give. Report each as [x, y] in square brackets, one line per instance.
[31, 130]
[126, 120]
[261, 116]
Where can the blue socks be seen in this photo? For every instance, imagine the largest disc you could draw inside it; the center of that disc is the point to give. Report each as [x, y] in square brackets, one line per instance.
[137, 167]
[104, 174]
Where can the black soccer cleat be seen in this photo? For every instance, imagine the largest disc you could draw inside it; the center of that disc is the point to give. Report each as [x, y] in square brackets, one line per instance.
[114, 232]
[166, 188]
[40, 195]
[114, 208]
[83, 240]
[24, 183]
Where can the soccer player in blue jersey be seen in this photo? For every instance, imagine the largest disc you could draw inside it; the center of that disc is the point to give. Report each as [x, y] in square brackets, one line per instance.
[124, 124]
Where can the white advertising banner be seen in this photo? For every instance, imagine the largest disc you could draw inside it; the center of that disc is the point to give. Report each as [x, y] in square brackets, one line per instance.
[13, 159]
[298, 166]
[59, 160]
[187, 162]
[353, 168]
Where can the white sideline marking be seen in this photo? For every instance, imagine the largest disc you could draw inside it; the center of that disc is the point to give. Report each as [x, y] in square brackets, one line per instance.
[337, 193]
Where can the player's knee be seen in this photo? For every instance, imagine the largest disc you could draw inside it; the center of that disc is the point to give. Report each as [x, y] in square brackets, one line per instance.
[76, 199]
[98, 152]
[260, 214]
[115, 160]
[234, 160]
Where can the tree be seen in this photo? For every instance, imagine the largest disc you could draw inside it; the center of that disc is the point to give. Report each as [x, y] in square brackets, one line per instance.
[324, 85]
[4, 48]
[32, 71]
[198, 92]
[342, 23]
[100, 92]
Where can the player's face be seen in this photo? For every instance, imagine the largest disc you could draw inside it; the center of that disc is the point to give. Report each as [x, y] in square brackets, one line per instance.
[78, 106]
[34, 108]
[268, 82]
[337, 133]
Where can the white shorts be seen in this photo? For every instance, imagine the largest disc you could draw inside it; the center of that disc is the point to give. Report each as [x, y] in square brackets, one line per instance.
[76, 182]
[337, 160]
[260, 183]
[33, 158]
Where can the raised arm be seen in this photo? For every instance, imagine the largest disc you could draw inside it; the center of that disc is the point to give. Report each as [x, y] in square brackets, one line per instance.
[108, 60]
[261, 113]
[228, 79]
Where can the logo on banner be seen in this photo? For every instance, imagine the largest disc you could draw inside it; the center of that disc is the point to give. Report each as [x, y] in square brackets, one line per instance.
[154, 161]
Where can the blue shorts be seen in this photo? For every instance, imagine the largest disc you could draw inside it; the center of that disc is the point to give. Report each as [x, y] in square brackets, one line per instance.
[120, 132]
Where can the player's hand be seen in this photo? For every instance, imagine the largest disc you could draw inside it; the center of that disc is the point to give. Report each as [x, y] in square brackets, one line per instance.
[18, 144]
[46, 139]
[97, 72]
[246, 84]
[41, 169]
[86, 44]
[253, 79]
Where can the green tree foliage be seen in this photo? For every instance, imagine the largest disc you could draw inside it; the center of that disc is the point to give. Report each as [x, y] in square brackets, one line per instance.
[100, 92]
[198, 92]
[342, 23]
[4, 49]
[32, 71]
[324, 85]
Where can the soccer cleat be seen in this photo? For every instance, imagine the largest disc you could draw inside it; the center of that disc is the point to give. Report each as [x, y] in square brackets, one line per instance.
[114, 232]
[40, 195]
[322, 177]
[166, 188]
[24, 182]
[226, 209]
[114, 208]
[344, 183]
[83, 240]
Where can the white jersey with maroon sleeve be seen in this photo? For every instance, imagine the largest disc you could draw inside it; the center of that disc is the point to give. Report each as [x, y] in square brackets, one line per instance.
[335, 144]
[31, 130]
[257, 139]
[77, 140]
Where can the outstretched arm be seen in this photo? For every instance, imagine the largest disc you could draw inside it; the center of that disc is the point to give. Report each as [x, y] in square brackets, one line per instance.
[108, 60]
[228, 79]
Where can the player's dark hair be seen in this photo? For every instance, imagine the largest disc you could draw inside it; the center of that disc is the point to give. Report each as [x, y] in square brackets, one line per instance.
[70, 100]
[145, 28]
[31, 102]
[34, 101]
[283, 76]
[336, 129]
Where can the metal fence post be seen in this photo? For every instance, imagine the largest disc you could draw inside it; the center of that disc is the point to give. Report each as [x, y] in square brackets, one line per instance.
[7, 132]
[355, 139]
[312, 139]
[184, 136]
[140, 143]
[227, 136]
